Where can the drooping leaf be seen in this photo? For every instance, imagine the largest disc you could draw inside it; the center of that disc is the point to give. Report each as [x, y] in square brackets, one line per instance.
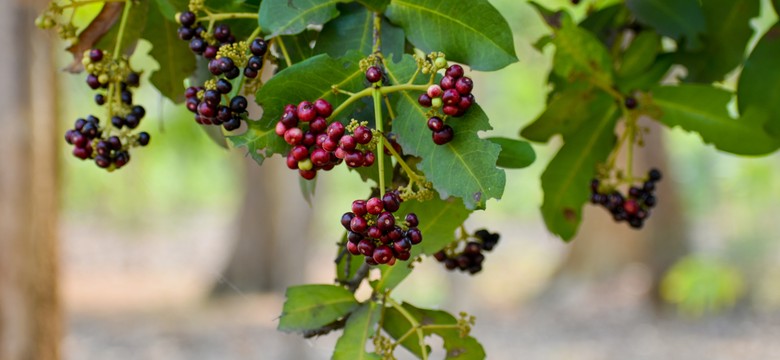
[515, 154]
[353, 30]
[298, 47]
[566, 112]
[464, 167]
[678, 19]
[261, 143]
[470, 32]
[176, 60]
[360, 327]
[136, 22]
[650, 77]
[567, 178]
[283, 17]
[580, 55]
[728, 33]
[438, 221]
[640, 55]
[457, 347]
[759, 83]
[310, 80]
[703, 109]
[309, 307]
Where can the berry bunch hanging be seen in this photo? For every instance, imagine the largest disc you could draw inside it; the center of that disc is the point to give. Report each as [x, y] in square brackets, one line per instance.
[317, 145]
[228, 58]
[453, 96]
[373, 230]
[109, 144]
[633, 208]
[468, 256]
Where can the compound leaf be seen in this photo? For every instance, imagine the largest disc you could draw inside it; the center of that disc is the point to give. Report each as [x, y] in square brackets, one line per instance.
[566, 180]
[470, 32]
[360, 327]
[702, 108]
[290, 17]
[309, 307]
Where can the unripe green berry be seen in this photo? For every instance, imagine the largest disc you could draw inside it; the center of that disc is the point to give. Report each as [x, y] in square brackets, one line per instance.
[440, 63]
[436, 103]
[305, 165]
[103, 78]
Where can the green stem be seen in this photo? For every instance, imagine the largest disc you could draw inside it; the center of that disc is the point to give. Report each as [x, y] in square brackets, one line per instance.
[383, 90]
[413, 177]
[76, 4]
[284, 52]
[377, 33]
[228, 16]
[121, 33]
[415, 325]
[631, 130]
[377, 93]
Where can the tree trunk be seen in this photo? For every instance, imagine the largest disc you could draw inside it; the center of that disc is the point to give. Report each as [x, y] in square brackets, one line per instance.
[273, 228]
[30, 316]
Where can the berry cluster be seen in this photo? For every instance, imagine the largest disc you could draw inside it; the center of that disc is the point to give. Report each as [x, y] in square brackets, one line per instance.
[634, 208]
[113, 80]
[227, 57]
[317, 145]
[470, 257]
[375, 232]
[453, 96]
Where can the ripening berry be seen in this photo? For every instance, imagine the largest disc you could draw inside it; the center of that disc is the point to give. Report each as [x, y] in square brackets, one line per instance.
[455, 71]
[374, 206]
[373, 74]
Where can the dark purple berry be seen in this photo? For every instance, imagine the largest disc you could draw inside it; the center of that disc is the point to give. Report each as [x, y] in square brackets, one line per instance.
[345, 219]
[187, 18]
[255, 63]
[454, 71]
[222, 33]
[197, 45]
[444, 135]
[411, 220]
[323, 108]
[435, 123]
[258, 47]
[224, 86]
[631, 102]
[143, 138]
[233, 124]
[238, 104]
[373, 74]
[95, 55]
[185, 33]
[424, 100]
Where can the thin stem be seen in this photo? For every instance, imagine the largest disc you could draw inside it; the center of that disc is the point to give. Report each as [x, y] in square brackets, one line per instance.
[631, 130]
[284, 52]
[228, 16]
[407, 169]
[121, 33]
[383, 90]
[389, 108]
[415, 325]
[380, 145]
[377, 33]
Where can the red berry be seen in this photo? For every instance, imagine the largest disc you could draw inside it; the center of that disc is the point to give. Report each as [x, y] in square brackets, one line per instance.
[353, 159]
[353, 248]
[435, 123]
[424, 100]
[373, 74]
[434, 91]
[300, 152]
[447, 83]
[368, 158]
[383, 254]
[403, 245]
[330, 145]
[414, 235]
[293, 136]
[320, 157]
[366, 247]
[347, 142]
[466, 101]
[335, 130]
[451, 110]
[206, 110]
[631, 207]
[374, 232]
[289, 119]
[390, 202]
[454, 71]
[359, 207]
[306, 111]
[444, 135]
[451, 97]
[411, 220]
[292, 164]
[309, 139]
[339, 153]
[308, 174]
[280, 129]
[362, 135]
[374, 206]
[403, 255]
[345, 219]
[464, 85]
[385, 221]
[323, 108]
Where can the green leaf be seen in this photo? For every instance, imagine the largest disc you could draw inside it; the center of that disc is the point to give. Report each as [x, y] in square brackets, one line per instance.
[567, 178]
[290, 17]
[176, 60]
[678, 19]
[640, 55]
[703, 109]
[649, 78]
[603, 22]
[566, 112]
[260, 142]
[580, 55]
[360, 327]
[728, 33]
[136, 22]
[759, 84]
[470, 32]
[169, 8]
[457, 347]
[298, 47]
[310, 80]
[464, 167]
[309, 307]
[354, 30]
[515, 154]
[396, 325]
[375, 5]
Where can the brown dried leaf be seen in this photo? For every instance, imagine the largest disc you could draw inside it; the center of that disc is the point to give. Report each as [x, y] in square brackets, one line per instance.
[93, 33]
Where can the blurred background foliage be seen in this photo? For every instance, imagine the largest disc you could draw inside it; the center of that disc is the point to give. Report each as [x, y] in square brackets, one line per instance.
[730, 202]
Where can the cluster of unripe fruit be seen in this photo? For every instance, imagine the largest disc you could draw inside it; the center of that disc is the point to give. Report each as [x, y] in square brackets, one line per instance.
[469, 257]
[227, 58]
[317, 145]
[374, 231]
[633, 208]
[90, 140]
[453, 96]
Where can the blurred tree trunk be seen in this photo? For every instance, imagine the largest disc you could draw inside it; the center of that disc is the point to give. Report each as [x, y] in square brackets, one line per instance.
[30, 317]
[603, 248]
[273, 228]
